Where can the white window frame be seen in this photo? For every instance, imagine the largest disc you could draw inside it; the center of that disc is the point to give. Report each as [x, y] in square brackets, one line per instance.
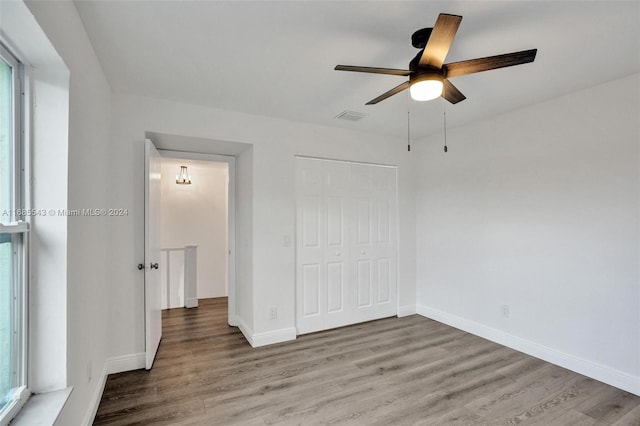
[18, 229]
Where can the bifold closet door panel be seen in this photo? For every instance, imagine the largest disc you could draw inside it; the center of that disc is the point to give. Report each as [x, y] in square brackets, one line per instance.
[385, 238]
[374, 265]
[337, 183]
[310, 231]
[361, 271]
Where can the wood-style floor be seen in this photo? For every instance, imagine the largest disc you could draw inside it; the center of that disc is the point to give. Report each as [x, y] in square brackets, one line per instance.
[396, 371]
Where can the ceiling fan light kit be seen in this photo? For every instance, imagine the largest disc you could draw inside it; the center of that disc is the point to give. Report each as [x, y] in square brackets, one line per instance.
[429, 75]
[425, 86]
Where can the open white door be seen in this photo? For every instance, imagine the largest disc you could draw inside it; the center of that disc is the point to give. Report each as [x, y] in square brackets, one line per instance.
[152, 294]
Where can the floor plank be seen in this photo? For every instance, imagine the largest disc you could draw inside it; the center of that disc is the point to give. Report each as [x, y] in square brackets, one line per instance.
[395, 371]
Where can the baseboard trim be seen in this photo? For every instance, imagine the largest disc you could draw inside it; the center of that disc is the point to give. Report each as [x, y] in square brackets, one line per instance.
[94, 403]
[275, 336]
[588, 368]
[245, 330]
[232, 321]
[266, 338]
[191, 302]
[118, 364]
[406, 310]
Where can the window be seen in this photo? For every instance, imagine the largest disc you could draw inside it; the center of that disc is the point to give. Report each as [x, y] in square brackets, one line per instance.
[13, 242]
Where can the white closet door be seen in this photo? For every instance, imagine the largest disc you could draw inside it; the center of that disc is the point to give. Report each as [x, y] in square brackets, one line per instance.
[384, 237]
[310, 231]
[361, 271]
[337, 182]
[345, 243]
[374, 264]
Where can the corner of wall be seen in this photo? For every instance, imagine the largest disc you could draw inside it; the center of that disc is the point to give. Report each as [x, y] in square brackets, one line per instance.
[246, 331]
[273, 337]
[112, 365]
[94, 402]
[266, 338]
[406, 310]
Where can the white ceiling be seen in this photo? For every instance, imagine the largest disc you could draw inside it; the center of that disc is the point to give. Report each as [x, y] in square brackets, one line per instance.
[277, 58]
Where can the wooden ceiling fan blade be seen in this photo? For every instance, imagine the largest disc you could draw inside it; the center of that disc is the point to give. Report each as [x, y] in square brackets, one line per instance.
[399, 88]
[440, 40]
[451, 92]
[456, 69]
[374, 70]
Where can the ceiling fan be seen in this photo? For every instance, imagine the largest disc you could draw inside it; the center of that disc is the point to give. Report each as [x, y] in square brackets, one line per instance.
[429, 75]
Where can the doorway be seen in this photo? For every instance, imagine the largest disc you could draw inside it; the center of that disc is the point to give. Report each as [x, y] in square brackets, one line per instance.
[239, 157]
[197, 218]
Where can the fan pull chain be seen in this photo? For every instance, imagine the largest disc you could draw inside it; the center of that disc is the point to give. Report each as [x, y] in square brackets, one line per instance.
[408, 131]
[444, 115]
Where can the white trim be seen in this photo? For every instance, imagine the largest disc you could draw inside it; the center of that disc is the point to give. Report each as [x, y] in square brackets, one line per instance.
[129, 362]
[337, 160]
[268, 337]
[19, 227]
[275, 336]
[94, 402]
[18, 399]
[588, 368]
[245, 330]
[18, 231]
[399, 309]
[191, 302]
[43, 408]
[406, 310]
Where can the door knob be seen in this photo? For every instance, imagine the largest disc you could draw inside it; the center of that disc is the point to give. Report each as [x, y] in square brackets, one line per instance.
[140, 266]
[154, 265]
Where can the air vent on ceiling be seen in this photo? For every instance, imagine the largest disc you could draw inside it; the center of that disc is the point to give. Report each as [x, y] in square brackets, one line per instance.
[350, 116]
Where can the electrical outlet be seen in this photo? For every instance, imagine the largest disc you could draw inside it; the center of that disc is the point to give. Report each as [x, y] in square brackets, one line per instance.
[506, 311]
[273, 313]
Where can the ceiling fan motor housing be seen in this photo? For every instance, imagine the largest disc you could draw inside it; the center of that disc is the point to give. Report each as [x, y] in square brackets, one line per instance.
[420, 38]
[426, 74]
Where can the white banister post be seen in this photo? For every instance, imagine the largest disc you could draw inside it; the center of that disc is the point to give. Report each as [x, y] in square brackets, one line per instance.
[167, 268]
[190, 276]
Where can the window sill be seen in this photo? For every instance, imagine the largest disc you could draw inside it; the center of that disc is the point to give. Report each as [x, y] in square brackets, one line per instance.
[42, 409]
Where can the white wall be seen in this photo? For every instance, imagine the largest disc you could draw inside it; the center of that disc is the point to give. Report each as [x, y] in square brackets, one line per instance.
[86, 183]
[538, 209]
[197, 214]
[275, 144]
[47, 81]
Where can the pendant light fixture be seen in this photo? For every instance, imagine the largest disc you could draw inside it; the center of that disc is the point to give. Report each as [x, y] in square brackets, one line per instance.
[183, 177]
